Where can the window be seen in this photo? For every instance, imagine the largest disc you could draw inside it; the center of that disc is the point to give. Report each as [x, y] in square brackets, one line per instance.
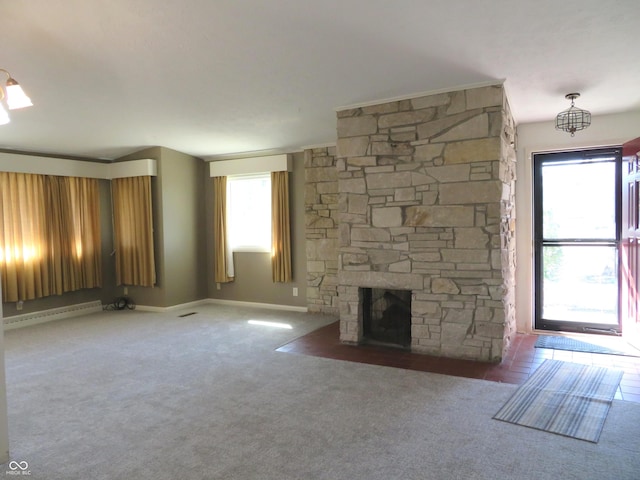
[249, 213]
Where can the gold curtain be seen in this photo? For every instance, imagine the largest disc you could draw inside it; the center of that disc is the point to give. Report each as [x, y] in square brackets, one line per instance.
[280, 228]
[56, 223]
[73, 224]
[49, 235]
[133, 231]
[85, 252]
[222, 257]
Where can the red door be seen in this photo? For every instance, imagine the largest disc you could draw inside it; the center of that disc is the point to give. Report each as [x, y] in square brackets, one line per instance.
[630, 245]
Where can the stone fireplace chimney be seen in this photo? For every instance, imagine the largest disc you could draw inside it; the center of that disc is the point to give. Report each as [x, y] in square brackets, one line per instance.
[426, 203]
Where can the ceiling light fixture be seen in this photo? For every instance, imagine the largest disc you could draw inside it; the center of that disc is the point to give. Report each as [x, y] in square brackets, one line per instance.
[14, 95]
[573, 118]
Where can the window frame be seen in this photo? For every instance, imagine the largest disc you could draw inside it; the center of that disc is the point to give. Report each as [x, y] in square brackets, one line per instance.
[265, 203]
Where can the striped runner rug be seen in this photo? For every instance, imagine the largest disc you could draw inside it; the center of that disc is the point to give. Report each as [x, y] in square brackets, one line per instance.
[566, 398]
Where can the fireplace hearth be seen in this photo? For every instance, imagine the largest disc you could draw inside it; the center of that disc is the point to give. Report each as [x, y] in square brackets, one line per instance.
[386, 317]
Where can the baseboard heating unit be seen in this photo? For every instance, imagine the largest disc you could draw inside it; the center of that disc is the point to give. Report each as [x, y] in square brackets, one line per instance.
[42, 316]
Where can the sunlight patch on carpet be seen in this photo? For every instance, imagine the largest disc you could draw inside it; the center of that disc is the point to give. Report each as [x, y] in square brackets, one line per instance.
[270, 324]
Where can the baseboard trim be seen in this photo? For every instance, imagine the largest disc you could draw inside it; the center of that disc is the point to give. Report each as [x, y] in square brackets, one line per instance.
[213, 301]
[43, 316]
[271, 306]
[172, 308]
[69, 311]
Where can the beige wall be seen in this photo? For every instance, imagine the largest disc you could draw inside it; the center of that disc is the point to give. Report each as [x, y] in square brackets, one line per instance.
[253, 270]
[182, 220]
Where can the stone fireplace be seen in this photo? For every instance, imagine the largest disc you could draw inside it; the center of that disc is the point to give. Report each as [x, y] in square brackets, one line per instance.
[426, 205]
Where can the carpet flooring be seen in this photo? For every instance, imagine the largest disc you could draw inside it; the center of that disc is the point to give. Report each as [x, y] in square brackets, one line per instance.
[564, 398]
[140, 395]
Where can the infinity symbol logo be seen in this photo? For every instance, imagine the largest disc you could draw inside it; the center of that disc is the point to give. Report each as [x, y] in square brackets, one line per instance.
[13, 465]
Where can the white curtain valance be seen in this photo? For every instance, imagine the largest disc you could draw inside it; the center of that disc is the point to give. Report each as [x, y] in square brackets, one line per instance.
[243, 166]
[63, 167]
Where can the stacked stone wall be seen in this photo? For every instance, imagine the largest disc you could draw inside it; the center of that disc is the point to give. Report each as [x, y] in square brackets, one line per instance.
[508, 224]
[426, 203]
[321, 229]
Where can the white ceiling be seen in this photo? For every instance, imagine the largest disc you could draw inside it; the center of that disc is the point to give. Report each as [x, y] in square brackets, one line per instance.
[216, 77]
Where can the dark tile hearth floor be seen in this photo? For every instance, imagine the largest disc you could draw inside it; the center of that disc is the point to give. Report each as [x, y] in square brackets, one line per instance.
[521, 360]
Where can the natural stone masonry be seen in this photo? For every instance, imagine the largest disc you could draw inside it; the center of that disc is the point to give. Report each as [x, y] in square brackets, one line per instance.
[426, 198]
[321, 223]
[507, 175]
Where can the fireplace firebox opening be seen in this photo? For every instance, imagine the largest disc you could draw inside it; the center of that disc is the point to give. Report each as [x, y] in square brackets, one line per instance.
[386, 316]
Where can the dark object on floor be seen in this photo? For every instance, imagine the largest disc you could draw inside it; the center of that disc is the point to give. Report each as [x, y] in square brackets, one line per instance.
[121, 303]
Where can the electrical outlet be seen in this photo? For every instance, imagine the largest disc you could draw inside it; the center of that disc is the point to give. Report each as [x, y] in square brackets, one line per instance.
[217, 286]
[126, 290]
[19, 305]
[295, 291]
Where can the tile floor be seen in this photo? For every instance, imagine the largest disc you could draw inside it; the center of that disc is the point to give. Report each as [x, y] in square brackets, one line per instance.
[521, 360]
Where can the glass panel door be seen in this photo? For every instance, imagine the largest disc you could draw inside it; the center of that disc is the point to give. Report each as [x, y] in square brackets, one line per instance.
[577, 216]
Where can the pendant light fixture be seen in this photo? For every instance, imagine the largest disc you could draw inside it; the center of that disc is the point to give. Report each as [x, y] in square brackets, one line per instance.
[573, 118]
[14, 97]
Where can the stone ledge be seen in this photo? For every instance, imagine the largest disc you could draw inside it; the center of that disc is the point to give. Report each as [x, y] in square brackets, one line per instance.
[400, 281]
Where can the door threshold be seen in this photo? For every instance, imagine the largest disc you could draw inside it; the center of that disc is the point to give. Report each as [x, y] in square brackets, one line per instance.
[609, 341]
[602, 331]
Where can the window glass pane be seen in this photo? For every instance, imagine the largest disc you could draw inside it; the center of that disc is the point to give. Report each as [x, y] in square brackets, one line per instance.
[579, 200]
[249, 213]
[580, 284]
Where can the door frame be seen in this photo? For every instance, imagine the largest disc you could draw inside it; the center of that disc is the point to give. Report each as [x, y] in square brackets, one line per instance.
[630, 247]
[540, 323]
